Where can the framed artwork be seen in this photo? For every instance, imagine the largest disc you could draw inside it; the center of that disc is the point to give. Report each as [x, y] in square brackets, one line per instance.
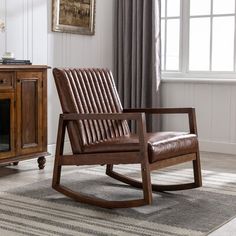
[73, 16]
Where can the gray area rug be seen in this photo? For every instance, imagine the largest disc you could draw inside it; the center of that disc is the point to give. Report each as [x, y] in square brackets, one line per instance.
[36, 209]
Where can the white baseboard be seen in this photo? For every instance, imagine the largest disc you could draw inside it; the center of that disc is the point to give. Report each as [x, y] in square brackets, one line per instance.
[52, 148]
[218, 147]
[205, 146]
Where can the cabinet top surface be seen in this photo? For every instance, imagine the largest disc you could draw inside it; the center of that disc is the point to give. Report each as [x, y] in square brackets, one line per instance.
[16, 67]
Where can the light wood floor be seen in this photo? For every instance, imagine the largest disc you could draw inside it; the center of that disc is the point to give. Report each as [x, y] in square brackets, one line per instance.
[27, 173]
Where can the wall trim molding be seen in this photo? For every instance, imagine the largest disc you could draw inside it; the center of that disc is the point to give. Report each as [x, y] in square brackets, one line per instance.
[218, 147]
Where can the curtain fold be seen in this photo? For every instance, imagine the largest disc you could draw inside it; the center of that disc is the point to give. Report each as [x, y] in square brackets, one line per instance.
[137, 53]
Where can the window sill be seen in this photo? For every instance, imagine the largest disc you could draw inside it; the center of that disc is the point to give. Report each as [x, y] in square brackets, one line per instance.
[198, 80]
[220, 78]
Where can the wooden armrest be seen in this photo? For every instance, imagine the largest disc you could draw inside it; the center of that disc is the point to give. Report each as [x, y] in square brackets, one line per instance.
[187, 110]
[138, 116]
[103, 116]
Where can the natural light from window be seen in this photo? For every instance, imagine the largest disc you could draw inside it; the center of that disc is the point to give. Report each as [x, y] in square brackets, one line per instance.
[198, 35]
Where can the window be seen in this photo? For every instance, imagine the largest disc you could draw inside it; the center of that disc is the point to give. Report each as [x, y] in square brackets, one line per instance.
[198, 36]
[170, 31]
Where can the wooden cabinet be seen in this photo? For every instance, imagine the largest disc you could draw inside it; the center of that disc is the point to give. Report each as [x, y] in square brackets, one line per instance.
[23, 113]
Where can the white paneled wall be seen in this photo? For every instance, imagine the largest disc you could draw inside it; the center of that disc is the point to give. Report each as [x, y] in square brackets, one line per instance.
[28, 35]
[26, 29]
[2, 16]
[215, 104]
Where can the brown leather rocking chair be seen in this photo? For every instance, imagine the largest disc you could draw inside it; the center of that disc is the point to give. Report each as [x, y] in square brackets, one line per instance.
[99, 134]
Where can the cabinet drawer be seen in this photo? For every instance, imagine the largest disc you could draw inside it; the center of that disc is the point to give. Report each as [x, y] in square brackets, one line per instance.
[6, 80]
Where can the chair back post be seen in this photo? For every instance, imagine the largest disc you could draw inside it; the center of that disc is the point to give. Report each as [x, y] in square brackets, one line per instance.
[145, 168]
[192, 121]
[60, 136]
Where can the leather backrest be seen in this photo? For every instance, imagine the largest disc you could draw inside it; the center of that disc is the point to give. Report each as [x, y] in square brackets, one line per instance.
[89, 91]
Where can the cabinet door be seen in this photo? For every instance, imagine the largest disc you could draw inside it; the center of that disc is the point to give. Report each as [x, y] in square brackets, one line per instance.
[7, 128]
[29, 112]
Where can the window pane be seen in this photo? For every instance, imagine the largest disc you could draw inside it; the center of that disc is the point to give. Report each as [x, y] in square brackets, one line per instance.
[223, 7]
[199, 47]
[223, 43]
[173, 7]
[200, 7]
[163, 8]
[172, 45]
[162, 44]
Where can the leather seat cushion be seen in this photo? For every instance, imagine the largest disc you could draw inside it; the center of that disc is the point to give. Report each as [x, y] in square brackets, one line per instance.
[164, 145]
[161, 145]
[123, 143]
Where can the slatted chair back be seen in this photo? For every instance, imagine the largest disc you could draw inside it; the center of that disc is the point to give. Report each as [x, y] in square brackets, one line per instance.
[89, 91]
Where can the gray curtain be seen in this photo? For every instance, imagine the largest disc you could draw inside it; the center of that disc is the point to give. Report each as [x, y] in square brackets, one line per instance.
[137, 53]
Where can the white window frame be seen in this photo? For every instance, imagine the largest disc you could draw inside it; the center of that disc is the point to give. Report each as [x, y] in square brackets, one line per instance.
[166, 18]
[184, 47]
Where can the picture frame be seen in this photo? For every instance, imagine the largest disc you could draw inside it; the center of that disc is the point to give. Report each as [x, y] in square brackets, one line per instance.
[73, 16]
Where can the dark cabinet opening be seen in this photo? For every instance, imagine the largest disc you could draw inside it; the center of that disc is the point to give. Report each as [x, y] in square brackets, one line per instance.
[5, 143]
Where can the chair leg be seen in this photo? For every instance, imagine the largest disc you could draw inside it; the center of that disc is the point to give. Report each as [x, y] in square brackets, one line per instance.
[197, 171]
[109, 169]
[59, 151]
[56, 172]
[146, 183]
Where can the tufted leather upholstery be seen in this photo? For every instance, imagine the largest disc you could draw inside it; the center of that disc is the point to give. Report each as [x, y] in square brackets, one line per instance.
[94, 91]
[89, 91]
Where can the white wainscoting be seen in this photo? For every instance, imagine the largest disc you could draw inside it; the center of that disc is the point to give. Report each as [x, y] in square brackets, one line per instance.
[215, 103]
[28, 35]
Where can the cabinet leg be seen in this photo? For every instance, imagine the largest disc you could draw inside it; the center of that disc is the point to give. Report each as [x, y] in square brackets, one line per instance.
[41, 162]
[15, 163]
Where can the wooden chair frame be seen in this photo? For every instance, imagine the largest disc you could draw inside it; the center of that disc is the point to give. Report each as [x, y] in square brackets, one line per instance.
[113, 158]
